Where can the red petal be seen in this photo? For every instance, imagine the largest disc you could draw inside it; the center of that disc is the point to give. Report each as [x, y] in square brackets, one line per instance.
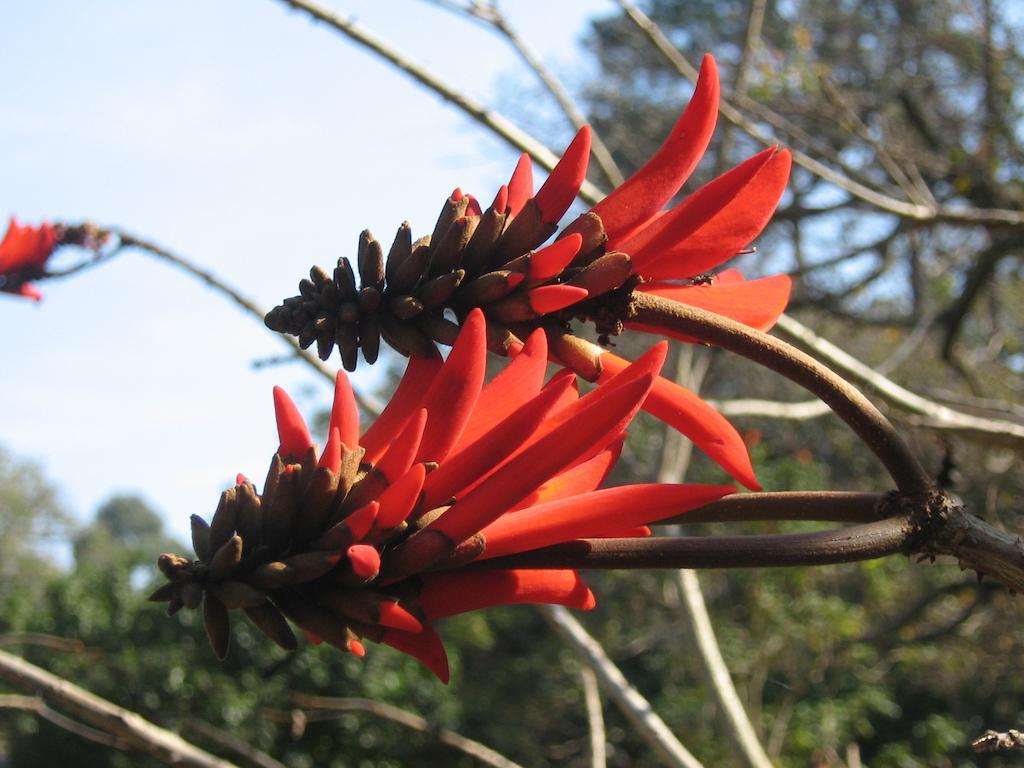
[453, 393]
[291, 428]
[399, 499]
[594, 425]
[693, 417]
[551, 298]
[396, 617]
[331, 457]
[364, 559]
[478, 460]
[645, 192]
[360, 521]
[552, 259]
[594, 514]
[561, 187]
[517, 383]
[356, 648]
[757, 303]
[520, 186]
[715, 222]
[424, 646]
[582, 478]
[345, 412]
[446, 594]
[400, 455]
[501, 199]
[419, 374]
[473, 208]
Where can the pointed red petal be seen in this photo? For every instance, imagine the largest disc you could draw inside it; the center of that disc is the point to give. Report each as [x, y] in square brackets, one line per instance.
[731, 229]
[396, 617]
[345, 412]
[419, 374]
[400, 455]
[693, 417]
[715, 222]
[453, 393]
[757, 303]
[551, 298]
[594, 514]
[516, 384]
[364, 559]
[473, 208]
[501, 199]
[331, 457]
[478, 460]
[356, 648]
[645, 192]
[552, 259]
[582, 478]
[559, 190]
[424, 646]
[399, 499]
[360, 521]
[597, 423]
[291, 428]
[520, 186]
[447, 594]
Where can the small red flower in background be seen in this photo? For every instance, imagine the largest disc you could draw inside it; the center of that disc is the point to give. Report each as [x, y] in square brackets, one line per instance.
[371, 539]
[24, 252]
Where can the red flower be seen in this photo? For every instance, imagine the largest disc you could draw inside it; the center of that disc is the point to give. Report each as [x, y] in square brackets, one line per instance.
[24, 252]
[370, 540]
[496, 260]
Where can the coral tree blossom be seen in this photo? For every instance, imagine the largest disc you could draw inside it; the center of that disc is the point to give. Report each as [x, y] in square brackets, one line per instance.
[495, 259]
[381, 534]
[24, 252]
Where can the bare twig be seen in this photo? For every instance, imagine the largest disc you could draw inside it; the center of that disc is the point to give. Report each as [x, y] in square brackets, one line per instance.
[595, 718]
[329, 707]
[226, 740]
[913, 211]
[38, 707]
[123, 724]
[739, 729]
[930, 413]
[994, 741]
[489, 118]
[40, 639]
[649, 726]
[490, 15]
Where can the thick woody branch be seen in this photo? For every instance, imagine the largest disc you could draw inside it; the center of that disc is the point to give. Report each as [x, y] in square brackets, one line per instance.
[126, 726]
[848, 403]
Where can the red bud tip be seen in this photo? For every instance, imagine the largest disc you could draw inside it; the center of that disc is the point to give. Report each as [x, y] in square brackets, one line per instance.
[331, 457]
[241, 479]
[365, 560]
[551, 298]
[473, 209]
[396, 617]
[291, 428]
[520, 186]
[457, 194]
[549, 261]
[561, 187]
[501, 199]
[357, 648]
[360, 521]
[345, 412]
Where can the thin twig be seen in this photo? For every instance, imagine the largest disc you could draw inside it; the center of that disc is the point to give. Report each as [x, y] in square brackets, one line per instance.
[128, 726]
[490, 15]
[914, 211]
[649, 726]
[489, 118]
[324, 707]
[228, 741]
[932, 414]
[595, 718]
[38, 707]
[847, 402]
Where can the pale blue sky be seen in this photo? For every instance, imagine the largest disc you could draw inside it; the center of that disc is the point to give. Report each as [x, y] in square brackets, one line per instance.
[254, 142]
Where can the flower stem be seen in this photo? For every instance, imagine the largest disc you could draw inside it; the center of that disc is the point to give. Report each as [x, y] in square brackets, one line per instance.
[842, 397]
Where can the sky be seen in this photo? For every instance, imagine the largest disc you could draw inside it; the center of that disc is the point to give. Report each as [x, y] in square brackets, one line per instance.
[253, 142]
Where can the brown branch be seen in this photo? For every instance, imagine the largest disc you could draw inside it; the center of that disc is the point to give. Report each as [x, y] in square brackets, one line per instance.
[127, 726]
[492, 120]
[329, 707]
[847, 402]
